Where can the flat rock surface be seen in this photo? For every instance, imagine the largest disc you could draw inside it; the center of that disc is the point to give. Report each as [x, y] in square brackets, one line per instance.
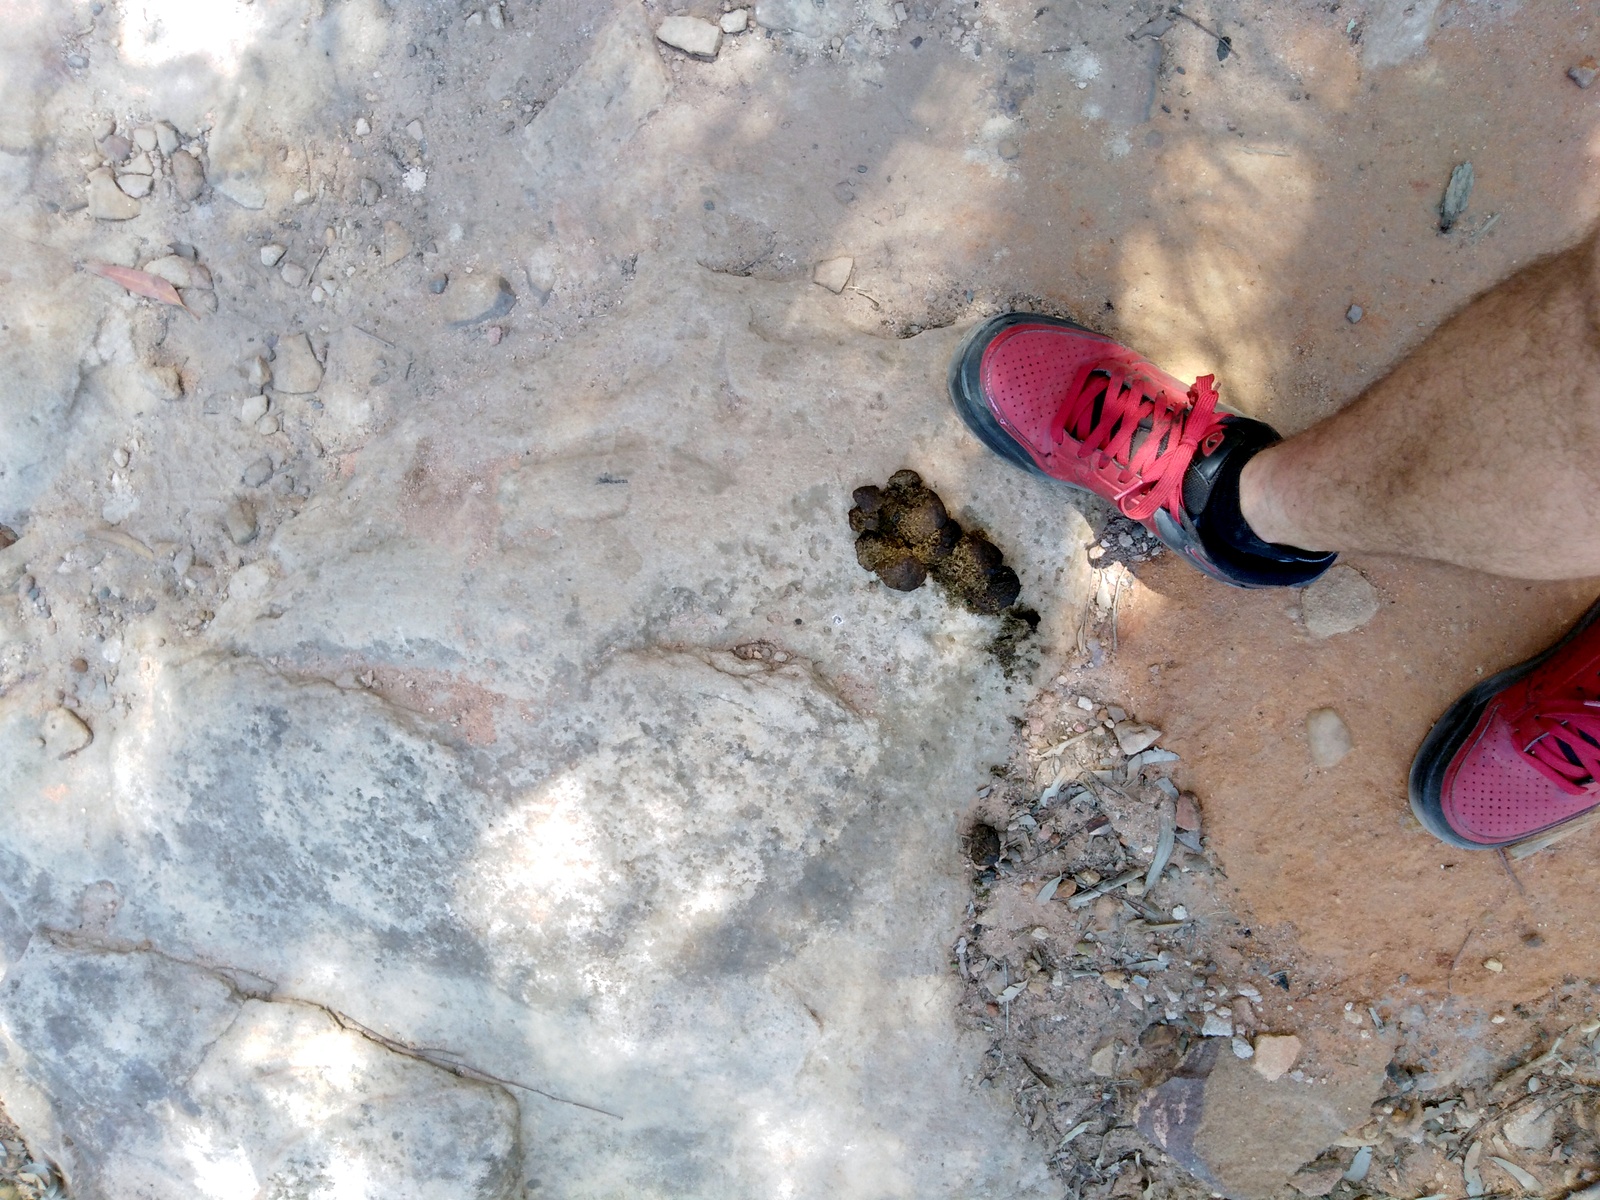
[528, 746]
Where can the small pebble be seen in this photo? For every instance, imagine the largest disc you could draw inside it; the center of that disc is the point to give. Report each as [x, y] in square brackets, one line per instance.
[116, 147]
[240, 522]
[271, 254]
[497, 16]
[77, 62]
[137, 186]
[414, 131]
[371, 193]
[438, 283]
[257, 473]
[1180, 913]
[1585, 73]
[1328, 736]
[1493, 965]
[145, 138]
[736, 21]
[363, 127]
[1216, 1026]
[252, 409]
[166, 138]
[188, 177]
[1354, 313]
[293, 274]
[1243, 1049]
[1008, 150]
[691, 35]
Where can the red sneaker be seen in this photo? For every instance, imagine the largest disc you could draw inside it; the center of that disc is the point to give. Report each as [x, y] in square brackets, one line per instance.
[1519, 754]
[1065, 402]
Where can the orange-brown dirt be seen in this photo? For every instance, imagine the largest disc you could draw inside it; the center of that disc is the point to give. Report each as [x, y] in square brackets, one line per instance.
[1336, 854]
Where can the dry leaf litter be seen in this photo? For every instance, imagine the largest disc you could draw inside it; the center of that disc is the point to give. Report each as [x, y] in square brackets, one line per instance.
[1100, 949]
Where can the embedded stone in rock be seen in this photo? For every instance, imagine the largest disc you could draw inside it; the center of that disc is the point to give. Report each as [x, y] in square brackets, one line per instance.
[1337, 602]
[295, 369]
[396, 243]
[1133, 736]
[240, 522]
[1328, 736]
[834, 273]
[476, 298]
[1245, 1136]
[64, 732]
[691, 35]
[1275, 1054]
[736, 21]
[108, 202]
[188, 177]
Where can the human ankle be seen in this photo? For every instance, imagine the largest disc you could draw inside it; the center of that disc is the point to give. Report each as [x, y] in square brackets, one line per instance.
[1260, 500]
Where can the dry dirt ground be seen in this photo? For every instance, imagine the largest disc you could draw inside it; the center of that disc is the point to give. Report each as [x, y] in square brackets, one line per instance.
[420, 243]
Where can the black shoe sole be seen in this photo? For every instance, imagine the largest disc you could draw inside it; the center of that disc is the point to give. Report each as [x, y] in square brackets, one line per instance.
[1444, 741]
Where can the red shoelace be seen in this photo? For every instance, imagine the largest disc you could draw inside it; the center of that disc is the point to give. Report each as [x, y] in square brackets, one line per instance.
[1561, 737]
[1128, 401]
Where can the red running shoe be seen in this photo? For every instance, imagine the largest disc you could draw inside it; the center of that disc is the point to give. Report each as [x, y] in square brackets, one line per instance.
[1519, 754]
[1068, 403]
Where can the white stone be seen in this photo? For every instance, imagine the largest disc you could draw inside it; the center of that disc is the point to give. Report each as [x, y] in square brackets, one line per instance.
[691, 35]
[1134, 736]
[1339, 601]
[1216, 1025]
[252, 409]
[137, 186]
[1532, 1127]
[175, 269]
[363, 127]
[736, 21]
[271, 254]
[145, 138]
[414, 131]
[415, 179]
[1275, 1054]
[833, 273]
[1328, 737]
[166, 138]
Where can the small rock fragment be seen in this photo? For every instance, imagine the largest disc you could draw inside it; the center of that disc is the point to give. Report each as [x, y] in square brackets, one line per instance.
[1328, 735]
[438, 283]
[1339, 601]
[144, 137]
[736, 21]
[1008, 150]
[252, 409]
[240, 522]
[257, 473]
[371, 193]
[1213, 1025]
[296, 369]
[1242, 1048]
[843, 192]
[188, 178]
[833, 273]
[363, 127]
[396, 243]
[414, 131]
[1493, 965]
[415, 179]
[1276, 1054]
[176, 270]
[1456, 195]
[64, 733]
[137, 186]
[1103, 1062]
[116, 147]
[271, 254]
[1585, 73]
[166, 138]
[1317, 1181]
[1531, 1128]
[476, 298]
[293, 274]
[107, 202]
[1188, 813]
[139, 164]
[691, 35]
[1134, 736]
[166, 382]
[1354, 313]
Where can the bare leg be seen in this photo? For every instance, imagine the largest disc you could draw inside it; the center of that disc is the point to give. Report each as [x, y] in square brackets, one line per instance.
[1482, 448]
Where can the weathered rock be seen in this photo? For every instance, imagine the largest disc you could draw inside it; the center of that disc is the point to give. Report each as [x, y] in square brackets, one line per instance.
[108, 202]
[257, 473]
[1328, 737]
[371, 192]
[736, 21]
[834, 273]
[1317, 1181]
[806, 17]
[175, 269]
[1532, 1127]
[1339, 601]
[184, 1087]
[295, 368]
[239, 519]
[472, 299]
[64, 732]
[145, 138]
[691, 35]
[188, 176]
[1245, 1136]
[1275, 1054]
[271, 254]
[137, 186]
[1134, 736]
[1585, 73]
[294, 274]
[166, 138]
[396, 243]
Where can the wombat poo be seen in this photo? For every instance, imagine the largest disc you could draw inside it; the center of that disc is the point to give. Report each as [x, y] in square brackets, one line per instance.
[905, 535]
